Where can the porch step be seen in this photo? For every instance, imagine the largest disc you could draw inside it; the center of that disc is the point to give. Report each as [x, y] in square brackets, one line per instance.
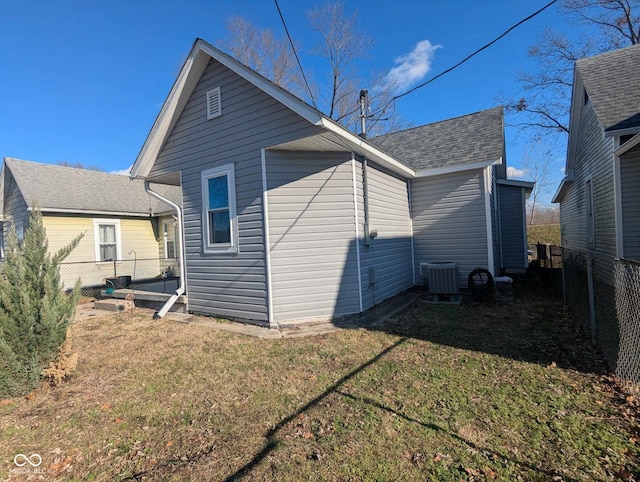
[113, 305]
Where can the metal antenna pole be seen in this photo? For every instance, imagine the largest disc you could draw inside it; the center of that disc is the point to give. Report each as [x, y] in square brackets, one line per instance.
[363, 113]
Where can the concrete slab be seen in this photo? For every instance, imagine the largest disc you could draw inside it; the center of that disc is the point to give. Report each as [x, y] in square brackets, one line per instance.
[113, 305]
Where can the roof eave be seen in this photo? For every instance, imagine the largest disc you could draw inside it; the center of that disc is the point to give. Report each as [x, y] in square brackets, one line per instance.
[630, 144]
[622, 132]
[367, 149]
[562, 188]
[90, 212]
[437, 171]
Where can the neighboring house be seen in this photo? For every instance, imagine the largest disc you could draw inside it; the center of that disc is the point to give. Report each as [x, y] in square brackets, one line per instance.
[288, 216]
[600, 194]
[120, 221]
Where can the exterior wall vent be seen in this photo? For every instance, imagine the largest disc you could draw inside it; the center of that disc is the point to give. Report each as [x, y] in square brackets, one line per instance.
[443, 277]
[214, 106]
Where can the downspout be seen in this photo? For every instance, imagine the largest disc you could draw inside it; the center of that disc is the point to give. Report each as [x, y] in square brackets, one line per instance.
[181, 289]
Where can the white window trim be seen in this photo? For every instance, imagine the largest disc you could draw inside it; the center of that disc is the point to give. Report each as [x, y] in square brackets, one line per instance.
[96, 236]
[172, 225]
[219, 248]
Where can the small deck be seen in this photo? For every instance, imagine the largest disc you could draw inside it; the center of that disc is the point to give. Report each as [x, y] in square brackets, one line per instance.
[152, 294]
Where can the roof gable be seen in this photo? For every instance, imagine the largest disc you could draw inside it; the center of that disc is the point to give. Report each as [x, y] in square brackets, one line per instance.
[613, 86]
[454, 143]
[188, 79]
[67, 189]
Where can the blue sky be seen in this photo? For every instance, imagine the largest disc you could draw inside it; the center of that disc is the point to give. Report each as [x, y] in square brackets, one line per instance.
[82, 81]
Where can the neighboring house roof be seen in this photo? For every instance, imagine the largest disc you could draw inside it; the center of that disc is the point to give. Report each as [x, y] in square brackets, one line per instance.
[64, 189]
[333, 134]
[462, 142]
[613, 85]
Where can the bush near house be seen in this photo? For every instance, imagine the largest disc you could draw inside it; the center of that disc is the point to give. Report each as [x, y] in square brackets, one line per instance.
[34, 310]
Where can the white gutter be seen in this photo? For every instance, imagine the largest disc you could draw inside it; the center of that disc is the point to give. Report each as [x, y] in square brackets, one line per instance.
[181, 289]
[436, 171]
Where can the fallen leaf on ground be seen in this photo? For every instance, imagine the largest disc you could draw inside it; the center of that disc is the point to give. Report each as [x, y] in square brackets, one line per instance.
[552, 365]
[169, 443]
[118, 420]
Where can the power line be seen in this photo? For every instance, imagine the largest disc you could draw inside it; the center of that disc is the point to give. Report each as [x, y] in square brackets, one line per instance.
[295, 53]
[468, 57]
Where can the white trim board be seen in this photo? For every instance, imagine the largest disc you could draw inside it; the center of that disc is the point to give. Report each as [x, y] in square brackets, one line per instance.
[267, 240]
[457, 168]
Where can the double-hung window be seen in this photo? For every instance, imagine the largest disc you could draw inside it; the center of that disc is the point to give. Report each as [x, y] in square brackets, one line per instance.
[107, 239]
[219, 229]
[169, 236]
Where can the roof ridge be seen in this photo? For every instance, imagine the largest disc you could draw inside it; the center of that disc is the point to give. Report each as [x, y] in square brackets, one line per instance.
[608, 53]
[440, 121]
[59, 166]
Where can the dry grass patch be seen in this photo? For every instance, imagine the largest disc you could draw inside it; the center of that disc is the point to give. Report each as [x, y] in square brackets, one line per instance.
[446, 393]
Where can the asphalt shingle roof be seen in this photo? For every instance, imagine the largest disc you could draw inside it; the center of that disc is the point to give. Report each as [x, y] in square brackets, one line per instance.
[53, 187]
[462, 140]
[612, 81]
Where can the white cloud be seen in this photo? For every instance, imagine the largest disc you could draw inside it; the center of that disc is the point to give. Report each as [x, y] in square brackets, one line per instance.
[123, 172]
[563, 169]
[516, 173]
[412, 67]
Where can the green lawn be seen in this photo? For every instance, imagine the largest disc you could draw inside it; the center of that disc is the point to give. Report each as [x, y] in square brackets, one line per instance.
[544, 233]
[474, 392]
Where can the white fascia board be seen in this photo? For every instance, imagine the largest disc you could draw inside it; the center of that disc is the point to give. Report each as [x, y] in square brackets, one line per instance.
[457, 168]
[297, 105]
[182, 88]
[368, 150]
[622, 132]
[154, 141]
[631, 143]
[557, 197]
[517, 183]
[93, 213]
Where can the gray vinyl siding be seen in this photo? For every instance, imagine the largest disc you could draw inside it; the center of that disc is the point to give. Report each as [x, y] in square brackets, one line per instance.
[312, 235]
[15, 206]
[512, 226]
[388, 257]
[231, 285]
[449, 221]
[594, 161]
[630, 195]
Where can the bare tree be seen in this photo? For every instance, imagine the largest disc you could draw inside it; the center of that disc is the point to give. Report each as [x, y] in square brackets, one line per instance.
[547, 92]
[264, 52]
[341, 43]
[537, 164]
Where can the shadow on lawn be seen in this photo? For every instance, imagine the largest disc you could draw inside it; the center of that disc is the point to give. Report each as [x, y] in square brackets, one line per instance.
[535, 328]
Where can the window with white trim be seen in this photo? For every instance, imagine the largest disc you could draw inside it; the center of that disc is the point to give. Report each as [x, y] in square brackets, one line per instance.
[219, 210]
[107, 239]
[169, 236]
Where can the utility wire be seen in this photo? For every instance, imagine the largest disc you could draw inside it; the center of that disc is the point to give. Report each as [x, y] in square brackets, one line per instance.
[468, 57]
[295, 53]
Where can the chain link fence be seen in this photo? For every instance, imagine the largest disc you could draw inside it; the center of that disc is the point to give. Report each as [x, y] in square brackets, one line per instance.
[133, 273]
[609, 314]
[627, 302]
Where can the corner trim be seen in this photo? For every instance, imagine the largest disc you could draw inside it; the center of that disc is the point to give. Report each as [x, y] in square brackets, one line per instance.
[267, 240]
[357, 222]
[487, 213]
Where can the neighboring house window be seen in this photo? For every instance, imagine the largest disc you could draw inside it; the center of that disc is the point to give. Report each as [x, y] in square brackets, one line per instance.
[169, 235]
[19, 230]
[219, 210]
[107, 239]
[591, 227]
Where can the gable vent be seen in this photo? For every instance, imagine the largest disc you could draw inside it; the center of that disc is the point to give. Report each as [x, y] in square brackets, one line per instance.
[214, 106]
